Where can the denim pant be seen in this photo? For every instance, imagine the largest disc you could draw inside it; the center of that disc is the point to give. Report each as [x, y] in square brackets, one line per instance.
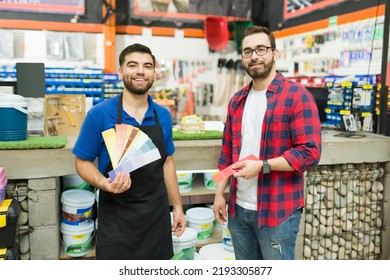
[266, 243]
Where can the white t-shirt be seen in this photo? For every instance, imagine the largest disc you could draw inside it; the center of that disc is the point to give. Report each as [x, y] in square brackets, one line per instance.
[252, 123]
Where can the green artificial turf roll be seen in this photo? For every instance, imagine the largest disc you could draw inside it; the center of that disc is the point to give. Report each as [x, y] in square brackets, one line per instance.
[208, 134]
[35, 142]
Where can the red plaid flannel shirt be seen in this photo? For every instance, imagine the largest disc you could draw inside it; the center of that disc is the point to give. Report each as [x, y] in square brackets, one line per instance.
[291, 129]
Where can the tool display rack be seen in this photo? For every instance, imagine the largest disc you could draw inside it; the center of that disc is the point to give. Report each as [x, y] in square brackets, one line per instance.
[345, 106]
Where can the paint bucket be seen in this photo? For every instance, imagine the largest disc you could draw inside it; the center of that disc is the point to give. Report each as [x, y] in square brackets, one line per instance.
[96, 192]
[74, 182]
[215, 251]
[184, 246]
[14, 114]
[185, 181]
[227, 238]
[202, 220]
[77, 240]
[197, 257]
[209, 183]
[77, 206]
[217, 225]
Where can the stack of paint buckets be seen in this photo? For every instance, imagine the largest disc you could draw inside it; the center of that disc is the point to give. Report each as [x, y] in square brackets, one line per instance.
[77, 225]
[219, 251]
[184, 246]
[201, 219]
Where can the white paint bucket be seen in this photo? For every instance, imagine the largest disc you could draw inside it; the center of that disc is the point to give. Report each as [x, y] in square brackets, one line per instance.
[197, 257]
[74, 182]
[77, 206]
[202, 220]
[227, 238]
[185, 181]
[209, 183]
[77, 239]
[217, 225]
[184, 246]
[215, 251]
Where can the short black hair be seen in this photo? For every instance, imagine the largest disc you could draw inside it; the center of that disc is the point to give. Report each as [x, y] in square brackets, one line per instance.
[259, 29]
[135, 48]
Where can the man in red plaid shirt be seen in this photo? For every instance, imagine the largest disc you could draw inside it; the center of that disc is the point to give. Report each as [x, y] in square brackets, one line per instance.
[276, 120]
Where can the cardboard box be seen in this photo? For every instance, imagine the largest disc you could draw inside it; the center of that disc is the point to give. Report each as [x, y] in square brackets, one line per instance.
[64, 114]
[9, 216]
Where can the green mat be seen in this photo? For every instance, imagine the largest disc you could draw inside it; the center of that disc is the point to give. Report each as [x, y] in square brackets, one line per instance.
[35, 142]
[208, 134]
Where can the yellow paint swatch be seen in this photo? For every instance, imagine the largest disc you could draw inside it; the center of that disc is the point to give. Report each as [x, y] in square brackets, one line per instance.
[109, 137]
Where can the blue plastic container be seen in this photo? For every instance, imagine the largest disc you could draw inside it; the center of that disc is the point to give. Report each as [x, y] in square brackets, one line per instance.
[13, 116]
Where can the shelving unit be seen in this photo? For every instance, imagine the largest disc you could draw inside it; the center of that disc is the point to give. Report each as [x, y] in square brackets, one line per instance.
[199, 194]
[112, 85]
[88, 81]
[215, 238]
[80, 81]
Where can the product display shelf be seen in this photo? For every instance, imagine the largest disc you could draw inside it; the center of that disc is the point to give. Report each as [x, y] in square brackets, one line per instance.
[87, 81]
[199, 194]
[7, 73]
[215, 238]
[112, 85]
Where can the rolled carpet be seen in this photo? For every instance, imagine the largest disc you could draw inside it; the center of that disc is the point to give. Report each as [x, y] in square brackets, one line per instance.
[35, 142]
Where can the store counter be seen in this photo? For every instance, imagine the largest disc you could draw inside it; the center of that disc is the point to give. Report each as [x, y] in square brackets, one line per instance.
[39, 172]
[191, 155]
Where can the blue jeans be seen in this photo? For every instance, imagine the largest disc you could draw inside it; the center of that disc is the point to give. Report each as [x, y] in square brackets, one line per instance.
[266, 243]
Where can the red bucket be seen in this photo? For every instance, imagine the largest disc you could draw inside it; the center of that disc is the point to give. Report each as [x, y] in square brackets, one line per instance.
[216, 32]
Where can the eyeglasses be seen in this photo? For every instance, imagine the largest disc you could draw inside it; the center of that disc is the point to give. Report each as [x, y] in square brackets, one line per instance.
[260, 51]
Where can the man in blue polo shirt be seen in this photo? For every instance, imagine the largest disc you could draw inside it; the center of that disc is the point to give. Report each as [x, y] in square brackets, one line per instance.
[133, 209]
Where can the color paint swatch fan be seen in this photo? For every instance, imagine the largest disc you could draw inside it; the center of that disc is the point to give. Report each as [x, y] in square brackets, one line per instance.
[129, 148]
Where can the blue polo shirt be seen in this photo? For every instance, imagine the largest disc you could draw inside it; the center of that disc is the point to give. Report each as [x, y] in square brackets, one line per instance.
[90, 143]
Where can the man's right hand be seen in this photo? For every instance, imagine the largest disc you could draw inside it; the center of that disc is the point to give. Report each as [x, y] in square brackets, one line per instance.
[220, 209]
[121, 183]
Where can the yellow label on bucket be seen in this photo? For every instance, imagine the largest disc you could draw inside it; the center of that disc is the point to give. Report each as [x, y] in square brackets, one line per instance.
[78, 236]
[203, 226]
[88, 213]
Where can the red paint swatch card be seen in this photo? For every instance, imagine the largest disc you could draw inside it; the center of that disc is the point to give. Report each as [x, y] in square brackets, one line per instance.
[228, 171]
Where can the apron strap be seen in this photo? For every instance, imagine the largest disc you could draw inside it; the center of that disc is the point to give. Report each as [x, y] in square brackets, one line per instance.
[119, 112]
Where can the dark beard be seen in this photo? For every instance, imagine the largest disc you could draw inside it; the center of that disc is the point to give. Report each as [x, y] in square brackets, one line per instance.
[137, 90]
[254, 74]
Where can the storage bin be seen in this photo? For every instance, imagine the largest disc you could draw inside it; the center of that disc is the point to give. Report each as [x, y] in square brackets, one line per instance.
[13, 113]
[9, 215]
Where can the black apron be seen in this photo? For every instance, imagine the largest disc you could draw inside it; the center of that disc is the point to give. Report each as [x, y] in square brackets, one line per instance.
[135, 225]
